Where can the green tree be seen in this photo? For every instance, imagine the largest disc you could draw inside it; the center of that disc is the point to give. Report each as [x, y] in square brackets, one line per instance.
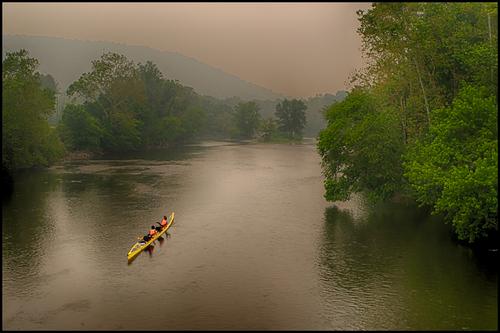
[218, 118]
[27, 139]
[134, 107]
[291, 117]
[407, 105]
[361, 149]
[79, 129]
[454, 169]
[118, 96]
[247, 118]
[269, 129]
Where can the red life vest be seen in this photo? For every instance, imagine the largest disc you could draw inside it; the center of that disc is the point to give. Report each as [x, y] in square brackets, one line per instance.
[152, 232]
[163, 222]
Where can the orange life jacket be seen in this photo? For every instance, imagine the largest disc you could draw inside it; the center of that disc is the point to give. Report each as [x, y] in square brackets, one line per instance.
[163, 222]
[152, 232]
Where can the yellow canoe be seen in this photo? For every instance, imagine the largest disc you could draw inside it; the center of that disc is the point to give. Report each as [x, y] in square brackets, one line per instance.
[140, 246]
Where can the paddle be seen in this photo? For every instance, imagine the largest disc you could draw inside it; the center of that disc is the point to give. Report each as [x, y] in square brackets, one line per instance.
[141, 239]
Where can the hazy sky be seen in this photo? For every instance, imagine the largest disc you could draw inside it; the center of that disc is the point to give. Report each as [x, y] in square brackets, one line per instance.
[298, 49]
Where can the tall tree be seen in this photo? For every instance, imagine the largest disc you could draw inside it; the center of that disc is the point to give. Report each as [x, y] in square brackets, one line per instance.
[247, 119]
[361, 148]
[132, 106]
[79, 129]
[27, 139]
[115, 89]
[427, 97]
[291, 117]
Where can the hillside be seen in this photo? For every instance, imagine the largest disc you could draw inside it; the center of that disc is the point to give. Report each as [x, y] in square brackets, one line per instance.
[67, 59]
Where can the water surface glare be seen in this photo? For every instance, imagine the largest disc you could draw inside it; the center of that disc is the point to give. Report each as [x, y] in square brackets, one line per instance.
[254, 246]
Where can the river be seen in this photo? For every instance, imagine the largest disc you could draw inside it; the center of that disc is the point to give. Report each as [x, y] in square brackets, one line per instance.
[254, 246]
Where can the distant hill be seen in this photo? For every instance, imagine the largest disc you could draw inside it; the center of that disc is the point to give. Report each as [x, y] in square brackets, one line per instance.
[67, 59]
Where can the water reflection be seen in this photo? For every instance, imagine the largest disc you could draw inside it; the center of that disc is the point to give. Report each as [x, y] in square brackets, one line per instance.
[151, 248]
[68, 226]
[27, 226]
[399, 269]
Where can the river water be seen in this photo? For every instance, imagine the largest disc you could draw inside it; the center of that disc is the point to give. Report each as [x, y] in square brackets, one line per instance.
[254, 246]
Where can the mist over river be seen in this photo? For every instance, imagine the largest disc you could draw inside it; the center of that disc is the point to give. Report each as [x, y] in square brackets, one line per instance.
[254, 246]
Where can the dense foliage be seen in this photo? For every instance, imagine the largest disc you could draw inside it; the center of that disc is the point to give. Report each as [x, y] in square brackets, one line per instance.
[247, 119]
[455, 167]
[27, 138]
[362, 148]
[421, 118]
[80, 129]
[126, 106]
[121, 106]
[291, 117]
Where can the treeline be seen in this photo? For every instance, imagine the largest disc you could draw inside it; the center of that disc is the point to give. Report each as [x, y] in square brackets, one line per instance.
[121, 106]
[286, 124]
[314, 113]
[421, 119]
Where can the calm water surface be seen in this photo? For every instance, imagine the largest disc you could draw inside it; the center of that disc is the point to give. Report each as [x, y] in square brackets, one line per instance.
[254, 246]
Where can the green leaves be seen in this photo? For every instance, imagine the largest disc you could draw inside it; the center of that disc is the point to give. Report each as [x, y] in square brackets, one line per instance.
[247, 119]
[455, 168]
[360, 149]
[27, 139]
[129, 106]
[79, 129]
[110, 69]
[433, 78]
[291, 117]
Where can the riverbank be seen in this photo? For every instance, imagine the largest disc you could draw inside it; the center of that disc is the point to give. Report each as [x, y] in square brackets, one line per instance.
[80, 155]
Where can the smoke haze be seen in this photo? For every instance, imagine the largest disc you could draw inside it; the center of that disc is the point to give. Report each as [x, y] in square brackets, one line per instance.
[297, 49]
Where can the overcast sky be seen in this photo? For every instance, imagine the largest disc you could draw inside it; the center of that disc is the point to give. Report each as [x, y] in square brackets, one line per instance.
[298, 49]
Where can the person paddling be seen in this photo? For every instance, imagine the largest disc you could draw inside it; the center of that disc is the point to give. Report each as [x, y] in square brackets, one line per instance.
[162, 224]
[151, 233]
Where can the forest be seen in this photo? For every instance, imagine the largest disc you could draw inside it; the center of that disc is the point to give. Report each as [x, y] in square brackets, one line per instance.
[421, 119]
[121, 106]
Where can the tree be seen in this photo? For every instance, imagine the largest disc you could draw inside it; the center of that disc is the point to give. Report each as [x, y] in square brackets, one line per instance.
[27, 139]
[268, 129]
[291, 117]
[218, 118]
[361, 149]
[247, 117]
[116, 94]
[421, 52]
[428, 98]
[135, 107]
[79, 129]
[454, 169]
